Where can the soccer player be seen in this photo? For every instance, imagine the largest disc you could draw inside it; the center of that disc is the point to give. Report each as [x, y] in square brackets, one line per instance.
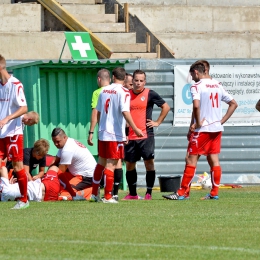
[12, 106]
[205, 130]
[128, 83]
[103, 80]
[45, 189]
[141, 107]
[30, 118]
[75, 157]
[113, 110]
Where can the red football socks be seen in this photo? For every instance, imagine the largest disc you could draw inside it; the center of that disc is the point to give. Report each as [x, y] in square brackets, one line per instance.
[188, 175]
[109, 182]
[97, 176]
[23, 183]
[215, 179]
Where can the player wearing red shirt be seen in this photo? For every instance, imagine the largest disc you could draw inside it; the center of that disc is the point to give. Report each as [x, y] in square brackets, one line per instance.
[141, 107]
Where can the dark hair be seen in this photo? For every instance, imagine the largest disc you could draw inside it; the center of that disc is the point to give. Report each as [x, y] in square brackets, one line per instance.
[139, 72]
[57, 131]
[205, 63]
[199, 66]
[119, 73]
[129, 74]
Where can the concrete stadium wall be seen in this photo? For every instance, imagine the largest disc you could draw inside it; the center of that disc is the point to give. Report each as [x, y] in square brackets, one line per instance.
[198, 19]
[210, 46]
[194, 2]
[21, 18]
[30, 45]
[205, 31]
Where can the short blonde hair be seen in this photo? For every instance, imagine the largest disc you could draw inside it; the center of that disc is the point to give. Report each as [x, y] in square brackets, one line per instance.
[34, 117]
[2, 62]
[41, 147]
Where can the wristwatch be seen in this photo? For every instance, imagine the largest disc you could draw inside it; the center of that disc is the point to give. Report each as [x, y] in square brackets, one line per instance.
[90, 132]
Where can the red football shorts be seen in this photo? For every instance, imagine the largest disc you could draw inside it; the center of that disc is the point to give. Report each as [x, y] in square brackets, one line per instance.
[204, 143]
[52, 186]
[12, 148]
[111, 149]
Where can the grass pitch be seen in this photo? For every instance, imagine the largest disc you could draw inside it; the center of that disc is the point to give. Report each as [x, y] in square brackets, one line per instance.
[159, 229]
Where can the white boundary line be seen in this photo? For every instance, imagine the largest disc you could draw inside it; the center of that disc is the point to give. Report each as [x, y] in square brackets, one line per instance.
[110, 243]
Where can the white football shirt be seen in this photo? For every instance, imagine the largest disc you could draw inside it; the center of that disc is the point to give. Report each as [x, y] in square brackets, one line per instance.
[12, 191]
[113, 100]
[11, 99]
[78, 158]
[210, 93]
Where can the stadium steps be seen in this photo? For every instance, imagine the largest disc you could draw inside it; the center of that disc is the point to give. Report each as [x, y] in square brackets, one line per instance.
[29, 18]
[206, 29]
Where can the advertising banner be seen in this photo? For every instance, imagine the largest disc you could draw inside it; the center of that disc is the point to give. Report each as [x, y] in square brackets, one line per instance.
[242, 82]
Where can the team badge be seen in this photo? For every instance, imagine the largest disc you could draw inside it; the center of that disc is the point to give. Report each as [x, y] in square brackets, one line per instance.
[143, 98]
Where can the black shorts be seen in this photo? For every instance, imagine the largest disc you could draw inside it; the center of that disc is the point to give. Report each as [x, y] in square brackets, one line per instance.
[135, 149]
[85, 183]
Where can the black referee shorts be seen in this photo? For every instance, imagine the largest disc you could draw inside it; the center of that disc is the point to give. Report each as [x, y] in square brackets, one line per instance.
[135, 149]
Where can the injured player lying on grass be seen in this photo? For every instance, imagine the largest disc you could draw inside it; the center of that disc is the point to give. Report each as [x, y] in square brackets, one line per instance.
[46, 189]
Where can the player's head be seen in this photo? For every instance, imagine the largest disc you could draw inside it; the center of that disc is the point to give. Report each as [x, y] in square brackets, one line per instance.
[103, 77]
[118, 74]
[2, 62]
[59, 137]
[139, 80]
[30, 118]
[139, 72]
[206, 65]
[40, 148]
[197, 71]
[128, 83]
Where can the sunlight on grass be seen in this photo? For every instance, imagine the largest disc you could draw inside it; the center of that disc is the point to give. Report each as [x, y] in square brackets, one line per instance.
[157, 229]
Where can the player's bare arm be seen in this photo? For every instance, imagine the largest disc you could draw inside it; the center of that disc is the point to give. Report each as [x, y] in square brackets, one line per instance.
[257, 106]
[93, 123]
[191, 123]
[130, 121]
[232, 105]
[63, 167]
[22, 110]
[27, 169]
[40, 174]
[165, 108]
[196, 114]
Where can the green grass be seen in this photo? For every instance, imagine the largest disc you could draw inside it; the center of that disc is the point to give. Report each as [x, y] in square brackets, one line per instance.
[159, 229]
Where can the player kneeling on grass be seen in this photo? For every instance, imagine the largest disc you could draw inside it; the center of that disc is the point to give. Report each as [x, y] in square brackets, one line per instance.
[76, 164]
[45, 189]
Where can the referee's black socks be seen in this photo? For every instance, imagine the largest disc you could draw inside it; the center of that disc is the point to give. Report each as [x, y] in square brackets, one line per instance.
[117, 179]
[150, 179]
[131, 178]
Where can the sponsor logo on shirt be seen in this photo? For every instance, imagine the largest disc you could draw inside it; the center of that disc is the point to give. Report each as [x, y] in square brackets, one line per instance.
[143, 98]
[80, 144]
[109, 91]
[212, 86]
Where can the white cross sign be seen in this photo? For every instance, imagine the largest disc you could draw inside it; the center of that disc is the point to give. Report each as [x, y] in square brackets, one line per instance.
[80, 46]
